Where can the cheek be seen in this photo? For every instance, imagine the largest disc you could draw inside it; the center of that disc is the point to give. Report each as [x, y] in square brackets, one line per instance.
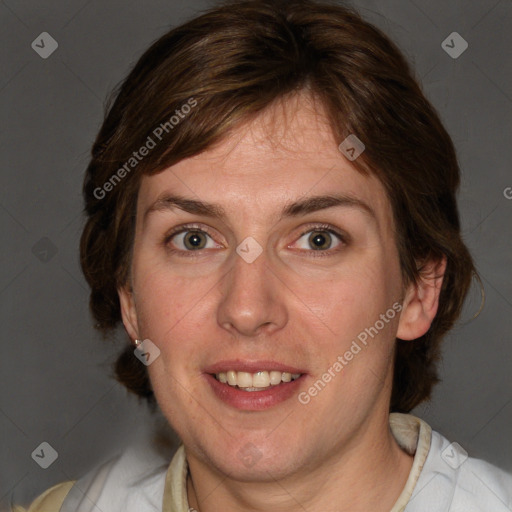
[167, 301]
[175, 314]
[350, 306]
[352, 296]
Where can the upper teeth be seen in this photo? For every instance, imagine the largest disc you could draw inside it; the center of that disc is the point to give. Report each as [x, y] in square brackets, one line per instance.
[261, 379]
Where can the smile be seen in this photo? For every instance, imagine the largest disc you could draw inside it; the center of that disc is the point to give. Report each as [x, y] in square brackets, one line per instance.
[257, 381]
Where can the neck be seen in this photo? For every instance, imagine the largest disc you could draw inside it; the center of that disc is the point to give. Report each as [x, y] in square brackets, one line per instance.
[367, 474]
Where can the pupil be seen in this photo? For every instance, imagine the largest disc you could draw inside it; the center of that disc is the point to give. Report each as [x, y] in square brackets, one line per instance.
[194, 240]
[319, 241]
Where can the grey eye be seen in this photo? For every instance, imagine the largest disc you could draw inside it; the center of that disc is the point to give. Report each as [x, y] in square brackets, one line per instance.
[192, 240]
[318, 240]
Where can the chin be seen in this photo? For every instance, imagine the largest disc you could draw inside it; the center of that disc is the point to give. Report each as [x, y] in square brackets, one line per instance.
[248, 462]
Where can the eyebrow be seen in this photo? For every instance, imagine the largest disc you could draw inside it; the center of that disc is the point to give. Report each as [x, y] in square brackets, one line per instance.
[295, 209]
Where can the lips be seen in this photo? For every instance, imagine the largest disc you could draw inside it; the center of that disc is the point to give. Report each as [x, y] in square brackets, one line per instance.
[253, 385]
[251, 367]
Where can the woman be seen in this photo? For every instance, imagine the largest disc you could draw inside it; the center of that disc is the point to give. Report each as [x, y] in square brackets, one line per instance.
[271, 213]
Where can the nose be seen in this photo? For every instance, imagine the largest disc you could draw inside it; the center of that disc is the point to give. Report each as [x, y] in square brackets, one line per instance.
[252, 299]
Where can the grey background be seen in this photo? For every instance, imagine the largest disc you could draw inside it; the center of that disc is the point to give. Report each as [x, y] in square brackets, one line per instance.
[55, 369]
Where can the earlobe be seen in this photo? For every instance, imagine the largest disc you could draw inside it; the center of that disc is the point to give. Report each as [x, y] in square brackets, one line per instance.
[128, 311]
[421, 301]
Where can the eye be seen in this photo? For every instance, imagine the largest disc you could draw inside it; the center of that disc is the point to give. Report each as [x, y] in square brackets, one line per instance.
[190, 239]
[321, 238]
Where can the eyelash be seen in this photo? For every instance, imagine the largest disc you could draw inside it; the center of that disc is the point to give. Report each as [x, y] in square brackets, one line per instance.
[343, 238]
[326, 228]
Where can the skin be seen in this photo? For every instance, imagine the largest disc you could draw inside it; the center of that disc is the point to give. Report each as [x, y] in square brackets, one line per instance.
[290, 305]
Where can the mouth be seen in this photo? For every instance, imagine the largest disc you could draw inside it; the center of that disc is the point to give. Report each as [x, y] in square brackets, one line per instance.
[253, 386]
[257, 381]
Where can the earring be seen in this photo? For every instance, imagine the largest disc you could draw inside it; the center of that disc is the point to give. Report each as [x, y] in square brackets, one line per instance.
[137, 342]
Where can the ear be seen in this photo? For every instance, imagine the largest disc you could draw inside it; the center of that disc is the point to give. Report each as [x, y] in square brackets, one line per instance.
[421, 301]
[128, 311]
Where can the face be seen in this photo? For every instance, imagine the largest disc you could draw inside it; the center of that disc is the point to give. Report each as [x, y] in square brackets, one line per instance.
[265, 259]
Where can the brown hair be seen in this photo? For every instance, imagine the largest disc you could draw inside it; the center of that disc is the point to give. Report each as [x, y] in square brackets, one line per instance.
[236, 60]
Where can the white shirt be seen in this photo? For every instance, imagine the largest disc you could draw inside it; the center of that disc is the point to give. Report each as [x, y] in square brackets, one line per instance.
[442, 479]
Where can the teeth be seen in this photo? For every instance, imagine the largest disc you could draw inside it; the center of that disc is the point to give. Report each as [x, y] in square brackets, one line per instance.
[255, 381]
[231, 378]
[244, 380]
[260, 380]
[275, 378]
[286, 377]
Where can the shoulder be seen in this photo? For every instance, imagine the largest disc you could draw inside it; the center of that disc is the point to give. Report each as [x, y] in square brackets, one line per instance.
[451, 480]
[485, 485]
[50, 501]
[132, 481]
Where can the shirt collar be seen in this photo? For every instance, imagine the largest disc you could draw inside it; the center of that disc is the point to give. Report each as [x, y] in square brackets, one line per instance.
[412, 434]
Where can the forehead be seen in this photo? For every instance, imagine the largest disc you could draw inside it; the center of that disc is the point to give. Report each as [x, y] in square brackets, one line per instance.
[286, 153]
